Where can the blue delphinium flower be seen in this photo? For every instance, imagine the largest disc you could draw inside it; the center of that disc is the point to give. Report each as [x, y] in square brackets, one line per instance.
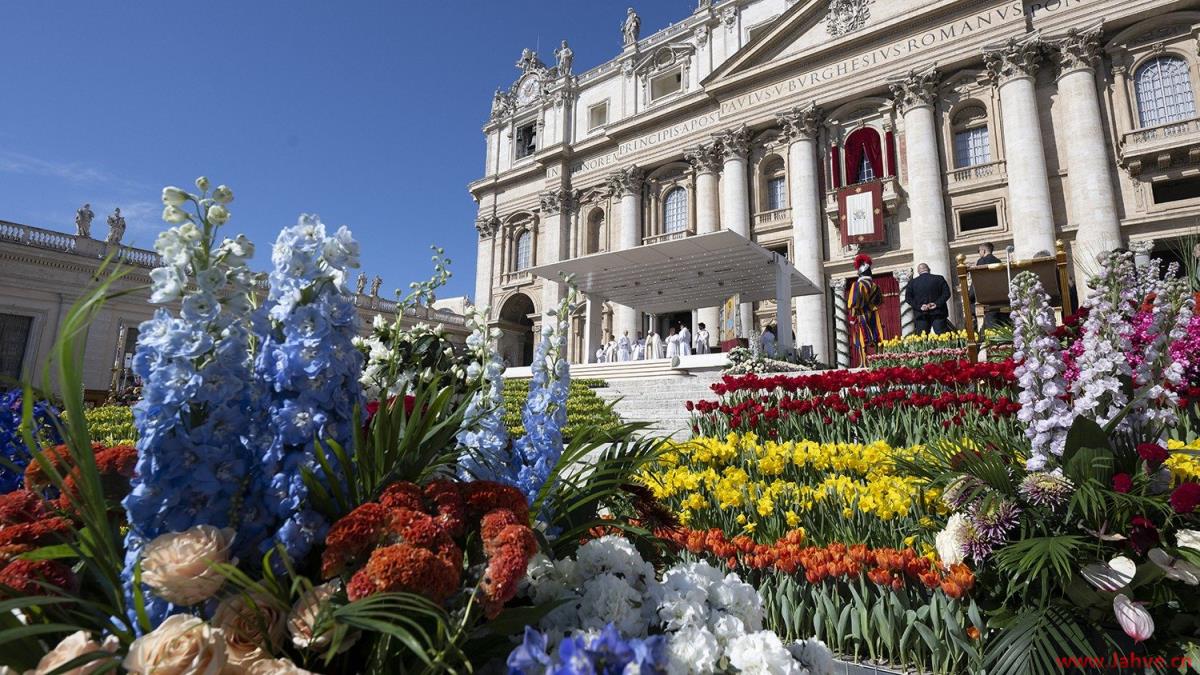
[194, 464]
[12, 445]
[603, 654]
[309, 369]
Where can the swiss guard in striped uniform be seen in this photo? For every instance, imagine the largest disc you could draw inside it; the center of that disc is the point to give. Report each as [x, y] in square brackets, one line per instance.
[864, 302]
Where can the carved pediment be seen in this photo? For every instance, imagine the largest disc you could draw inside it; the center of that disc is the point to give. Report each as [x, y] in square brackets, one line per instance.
[664, 58]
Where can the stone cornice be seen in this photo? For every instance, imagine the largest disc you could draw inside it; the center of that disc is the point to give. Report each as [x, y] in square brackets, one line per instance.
[735, 142]
[1020, 57]
[801, 122]
[1079, 49]
[627, 181]
[915, 89]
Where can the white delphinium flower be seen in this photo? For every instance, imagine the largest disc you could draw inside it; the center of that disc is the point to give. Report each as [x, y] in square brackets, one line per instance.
[693, 650]
[1039, 371]
[1158, 376]
[1098, 392]
[762, 653]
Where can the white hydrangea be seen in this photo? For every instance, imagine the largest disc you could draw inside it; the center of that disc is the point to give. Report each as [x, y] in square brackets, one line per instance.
[693, 650]
[762, 653]
[814, 655]
[613, 555]
[609, 599]
[737, 598]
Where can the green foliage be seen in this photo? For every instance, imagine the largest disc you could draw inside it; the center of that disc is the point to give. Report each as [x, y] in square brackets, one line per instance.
[585, 409]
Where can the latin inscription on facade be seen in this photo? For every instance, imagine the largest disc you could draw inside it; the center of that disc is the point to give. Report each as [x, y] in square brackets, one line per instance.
[876, 58]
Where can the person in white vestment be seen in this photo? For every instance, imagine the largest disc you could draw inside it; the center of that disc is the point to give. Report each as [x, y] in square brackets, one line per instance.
[654, 346]
[600, 355]
[768, 341]
[639, 348]
[685, 341]
[702, 340]
[624, 348]
[672, 344]
[610, 352]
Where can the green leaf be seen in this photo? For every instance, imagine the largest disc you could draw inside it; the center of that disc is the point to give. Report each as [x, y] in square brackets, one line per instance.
[1084, 433]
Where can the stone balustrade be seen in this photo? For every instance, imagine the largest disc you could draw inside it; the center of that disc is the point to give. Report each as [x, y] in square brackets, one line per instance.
[773, 219]
[1156, 145]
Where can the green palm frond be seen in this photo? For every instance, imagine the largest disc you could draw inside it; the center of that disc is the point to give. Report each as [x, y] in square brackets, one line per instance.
[1042, 563]
[1034, 640]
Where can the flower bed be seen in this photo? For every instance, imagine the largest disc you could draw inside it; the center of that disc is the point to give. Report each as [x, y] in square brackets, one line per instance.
[585, 408]
[111, 424]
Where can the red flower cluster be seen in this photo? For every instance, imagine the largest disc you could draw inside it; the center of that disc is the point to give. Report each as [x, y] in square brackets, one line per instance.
[836, 562]
[32, 577]
[1186, 498]
[115, 466]
[410, 541]
[1153, 454]
[947, 373]
[26, 523]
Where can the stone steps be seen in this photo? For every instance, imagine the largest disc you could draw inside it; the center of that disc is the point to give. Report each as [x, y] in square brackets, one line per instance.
[659, 401]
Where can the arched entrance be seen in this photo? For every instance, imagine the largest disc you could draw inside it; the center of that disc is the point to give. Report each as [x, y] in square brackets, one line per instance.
[516, 330]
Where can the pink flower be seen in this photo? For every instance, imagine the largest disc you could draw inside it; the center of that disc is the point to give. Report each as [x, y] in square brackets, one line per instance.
[178, 566]
[1134, 619]
[75, 645]
[181, 644]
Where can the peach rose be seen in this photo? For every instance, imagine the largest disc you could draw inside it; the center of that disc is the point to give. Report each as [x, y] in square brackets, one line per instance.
[181, 644]
[75, 645]
[252, 631]
[277, 667]
[178, 566]
[302, 621]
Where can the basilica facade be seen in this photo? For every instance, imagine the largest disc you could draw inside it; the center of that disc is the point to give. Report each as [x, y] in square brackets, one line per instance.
[911, 130]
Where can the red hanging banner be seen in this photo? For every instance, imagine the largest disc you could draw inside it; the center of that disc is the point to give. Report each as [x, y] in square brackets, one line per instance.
[860, 214]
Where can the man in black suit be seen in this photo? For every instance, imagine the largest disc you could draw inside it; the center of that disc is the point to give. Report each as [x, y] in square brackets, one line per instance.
[992, 316]
[928, 296]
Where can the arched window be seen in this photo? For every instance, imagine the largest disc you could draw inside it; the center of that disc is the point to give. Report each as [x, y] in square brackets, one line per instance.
[524, 250]
[675, 211]
[864, 155]
[1164, 91]
[595, 222]
[972, 143]
[774, 184]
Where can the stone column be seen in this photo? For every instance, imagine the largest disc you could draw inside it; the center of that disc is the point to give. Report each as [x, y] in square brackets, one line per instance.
[903, 277]
[706, 162]
[627, 187]
[593, 330]
[915, 96]
[842, 326]
[735, 195]
[800, 126]
[1089, 170]
[557, 205]
[1013, 67]
[487, 228]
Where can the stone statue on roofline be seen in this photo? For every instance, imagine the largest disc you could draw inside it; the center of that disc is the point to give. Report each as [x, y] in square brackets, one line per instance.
[632, 28]
[361, 283]
[83, 221]
[565, 58]
[375, 284]
[116, 228]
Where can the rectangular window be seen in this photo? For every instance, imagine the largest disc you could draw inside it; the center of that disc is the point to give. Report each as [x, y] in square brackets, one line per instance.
[776, 190]
[1176, 190]
[526, 139]
[971, 148]
[981, 219]
[665, 85]
[597, 116]
[14, 339]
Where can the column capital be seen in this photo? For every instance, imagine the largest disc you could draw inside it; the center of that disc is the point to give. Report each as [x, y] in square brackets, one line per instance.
[559, 200]
[903, 276]
[704, 158]
[801, 122]
[916, 89]
[1018, 58]
[1079, 49]
[627, 181]
[734, 142]
[487, 226]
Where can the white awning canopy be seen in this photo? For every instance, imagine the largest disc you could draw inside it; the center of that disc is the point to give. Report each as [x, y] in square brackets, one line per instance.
[684, 274]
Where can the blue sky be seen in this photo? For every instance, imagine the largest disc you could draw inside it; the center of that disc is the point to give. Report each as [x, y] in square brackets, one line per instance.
[367, 113]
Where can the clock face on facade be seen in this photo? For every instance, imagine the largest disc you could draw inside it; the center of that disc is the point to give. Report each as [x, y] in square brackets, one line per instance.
[528, 89]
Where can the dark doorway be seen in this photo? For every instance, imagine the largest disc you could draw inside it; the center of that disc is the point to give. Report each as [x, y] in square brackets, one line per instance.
[518, 330]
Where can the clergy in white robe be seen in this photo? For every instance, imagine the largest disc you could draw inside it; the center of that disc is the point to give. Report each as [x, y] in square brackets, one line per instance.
[654, 346]
[639, 350]
[702, 338]
[600, 355]
[768, 343]
[672, 344]
[610, 352]
[685, 341]
[624, 347]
